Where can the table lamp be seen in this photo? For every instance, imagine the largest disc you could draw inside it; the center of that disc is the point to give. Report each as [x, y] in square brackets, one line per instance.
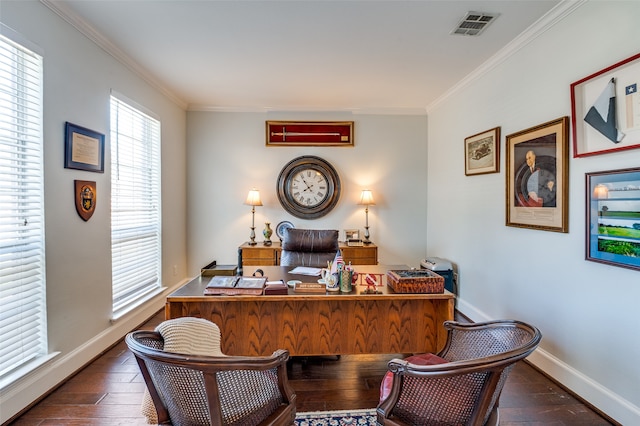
[366, 199]
[253, 200]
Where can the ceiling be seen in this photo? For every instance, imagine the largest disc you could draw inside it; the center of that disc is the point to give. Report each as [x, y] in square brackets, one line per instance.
[300, 54]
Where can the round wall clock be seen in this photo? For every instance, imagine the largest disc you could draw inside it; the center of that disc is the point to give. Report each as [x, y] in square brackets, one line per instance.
[308, 187]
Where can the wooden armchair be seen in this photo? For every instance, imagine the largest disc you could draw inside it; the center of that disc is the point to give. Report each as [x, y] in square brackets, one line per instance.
[213, 390]
[460, 385]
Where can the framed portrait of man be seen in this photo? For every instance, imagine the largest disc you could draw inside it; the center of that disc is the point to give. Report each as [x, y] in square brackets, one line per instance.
[537, 177]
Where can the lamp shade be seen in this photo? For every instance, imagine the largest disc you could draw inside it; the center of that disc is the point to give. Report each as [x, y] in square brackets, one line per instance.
[366, 198]
[253, 198]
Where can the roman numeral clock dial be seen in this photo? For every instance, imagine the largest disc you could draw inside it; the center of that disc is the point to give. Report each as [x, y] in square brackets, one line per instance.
[308, 187]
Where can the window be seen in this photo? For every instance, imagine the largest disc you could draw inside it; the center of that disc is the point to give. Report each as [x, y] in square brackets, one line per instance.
[135, 206]
[23, 326]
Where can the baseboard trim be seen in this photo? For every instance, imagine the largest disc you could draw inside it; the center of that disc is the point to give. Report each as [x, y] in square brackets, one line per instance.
[584, 387]
[33, 387]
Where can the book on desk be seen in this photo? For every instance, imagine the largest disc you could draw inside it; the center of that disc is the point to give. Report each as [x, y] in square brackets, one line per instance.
[235, 285]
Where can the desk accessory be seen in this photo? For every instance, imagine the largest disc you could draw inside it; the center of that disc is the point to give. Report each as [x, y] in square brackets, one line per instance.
[253, 200]
[275, 288]
[310, 288]
[235, 285]
[215, 269]
[415, 281]
[372, 281]
[346, 280]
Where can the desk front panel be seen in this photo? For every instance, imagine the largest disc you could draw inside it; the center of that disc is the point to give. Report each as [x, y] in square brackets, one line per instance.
[323, 327]
[319, 324]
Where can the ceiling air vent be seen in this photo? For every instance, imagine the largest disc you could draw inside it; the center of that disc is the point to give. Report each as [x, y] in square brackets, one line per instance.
[474, 23]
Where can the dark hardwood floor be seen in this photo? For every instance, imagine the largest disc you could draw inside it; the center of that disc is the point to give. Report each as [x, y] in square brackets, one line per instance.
[109, 392]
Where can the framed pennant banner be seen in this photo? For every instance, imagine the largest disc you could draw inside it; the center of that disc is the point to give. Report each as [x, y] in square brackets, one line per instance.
[605, 109]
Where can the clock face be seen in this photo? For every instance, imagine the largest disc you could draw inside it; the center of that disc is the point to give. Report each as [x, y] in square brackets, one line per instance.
[308, 187]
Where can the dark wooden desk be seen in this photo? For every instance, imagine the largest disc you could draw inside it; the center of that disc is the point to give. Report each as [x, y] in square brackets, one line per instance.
[319, 324]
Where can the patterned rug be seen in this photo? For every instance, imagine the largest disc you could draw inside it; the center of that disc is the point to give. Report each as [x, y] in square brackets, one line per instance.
[337, 418]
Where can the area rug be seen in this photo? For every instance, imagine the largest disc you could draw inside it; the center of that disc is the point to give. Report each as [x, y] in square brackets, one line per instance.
[337, 418]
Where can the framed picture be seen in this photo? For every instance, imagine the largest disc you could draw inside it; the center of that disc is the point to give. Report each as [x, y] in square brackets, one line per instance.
[351, 234]
[538, 177]
[482, 153]
[605, 109]
[83, 149]
[613, 217]
[309, 133]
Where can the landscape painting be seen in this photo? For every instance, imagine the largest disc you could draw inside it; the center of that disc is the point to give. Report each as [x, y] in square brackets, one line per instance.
[613, 210]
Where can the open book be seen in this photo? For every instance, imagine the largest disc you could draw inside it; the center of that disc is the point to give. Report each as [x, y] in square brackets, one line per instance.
[233, 285]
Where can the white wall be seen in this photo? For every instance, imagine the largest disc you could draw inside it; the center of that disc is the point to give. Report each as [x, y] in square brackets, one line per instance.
[78, 79]
[587, 312]
[227, 156]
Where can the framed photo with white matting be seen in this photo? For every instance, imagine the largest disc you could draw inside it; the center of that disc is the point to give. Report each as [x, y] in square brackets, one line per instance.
[482, 152]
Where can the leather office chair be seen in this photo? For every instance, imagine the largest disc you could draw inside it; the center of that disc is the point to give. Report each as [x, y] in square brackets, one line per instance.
[308, 247]
[461, 384]
[191, 389]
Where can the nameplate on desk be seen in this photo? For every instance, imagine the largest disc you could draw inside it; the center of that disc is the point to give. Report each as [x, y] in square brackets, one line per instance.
[310, 288]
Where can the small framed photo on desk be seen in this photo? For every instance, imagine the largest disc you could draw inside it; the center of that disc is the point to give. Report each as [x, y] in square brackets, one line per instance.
[352, 237]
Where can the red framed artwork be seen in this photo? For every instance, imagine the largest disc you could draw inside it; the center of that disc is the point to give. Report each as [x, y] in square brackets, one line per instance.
[605, 109]
[309, 133]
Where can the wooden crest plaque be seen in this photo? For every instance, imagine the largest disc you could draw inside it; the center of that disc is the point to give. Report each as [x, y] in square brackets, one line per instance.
[85, 198]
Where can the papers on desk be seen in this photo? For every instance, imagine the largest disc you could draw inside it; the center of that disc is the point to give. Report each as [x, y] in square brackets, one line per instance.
[305, 270]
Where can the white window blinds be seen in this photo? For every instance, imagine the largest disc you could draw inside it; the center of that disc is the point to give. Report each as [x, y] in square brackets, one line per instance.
[23, 334]
[135, 206]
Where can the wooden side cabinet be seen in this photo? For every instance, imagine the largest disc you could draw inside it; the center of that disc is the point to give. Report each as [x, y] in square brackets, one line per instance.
[261, 255]
[361, 255]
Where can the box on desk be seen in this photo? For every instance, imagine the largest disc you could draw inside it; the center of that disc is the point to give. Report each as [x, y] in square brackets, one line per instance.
[415, 281]
[214, 269]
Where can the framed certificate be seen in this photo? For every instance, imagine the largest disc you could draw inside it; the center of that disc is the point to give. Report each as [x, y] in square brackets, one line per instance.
[83, 149]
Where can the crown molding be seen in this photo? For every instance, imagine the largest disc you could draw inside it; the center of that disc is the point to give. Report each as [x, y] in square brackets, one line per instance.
[542, 25]
[60, 9]
[269, 110]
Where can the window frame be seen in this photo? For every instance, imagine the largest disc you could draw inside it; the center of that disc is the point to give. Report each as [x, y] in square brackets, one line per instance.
[23, 318]
[136, 225]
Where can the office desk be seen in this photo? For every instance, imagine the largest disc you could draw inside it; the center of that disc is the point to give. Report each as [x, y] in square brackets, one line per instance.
[319, 324]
